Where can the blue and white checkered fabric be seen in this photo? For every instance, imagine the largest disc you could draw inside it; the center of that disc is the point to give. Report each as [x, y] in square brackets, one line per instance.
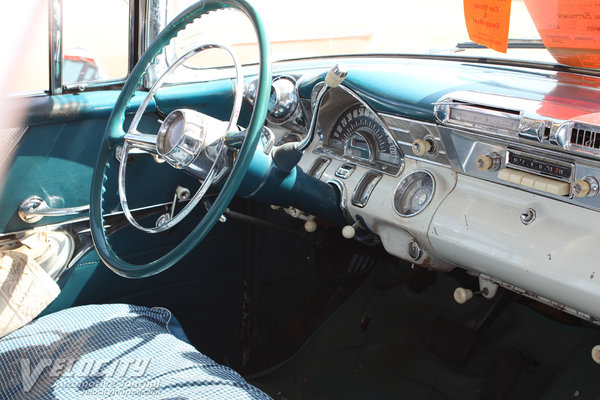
[114, 351]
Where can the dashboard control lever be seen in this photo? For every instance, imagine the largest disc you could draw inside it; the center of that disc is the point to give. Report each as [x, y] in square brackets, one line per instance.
[349, 231]
[462, 295]
[336, 75]
[288, 155]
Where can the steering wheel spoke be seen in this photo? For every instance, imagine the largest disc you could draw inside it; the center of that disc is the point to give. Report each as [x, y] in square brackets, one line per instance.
[141, 141]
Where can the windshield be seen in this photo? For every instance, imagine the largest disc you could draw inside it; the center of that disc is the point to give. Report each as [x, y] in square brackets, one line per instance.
[321, 28]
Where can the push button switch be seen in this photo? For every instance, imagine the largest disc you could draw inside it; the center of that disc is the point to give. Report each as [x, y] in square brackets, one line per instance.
[536, 182]
[344, 171]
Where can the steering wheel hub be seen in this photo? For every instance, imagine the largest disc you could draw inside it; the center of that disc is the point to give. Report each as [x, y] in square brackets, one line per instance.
[191, 141]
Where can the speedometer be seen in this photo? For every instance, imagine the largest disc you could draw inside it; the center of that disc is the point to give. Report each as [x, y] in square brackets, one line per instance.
[359, 135]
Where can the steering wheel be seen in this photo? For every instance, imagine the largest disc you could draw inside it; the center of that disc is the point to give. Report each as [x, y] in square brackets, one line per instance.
[115, 136]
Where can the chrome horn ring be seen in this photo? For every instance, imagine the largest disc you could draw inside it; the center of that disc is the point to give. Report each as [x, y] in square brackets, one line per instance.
[187, 140]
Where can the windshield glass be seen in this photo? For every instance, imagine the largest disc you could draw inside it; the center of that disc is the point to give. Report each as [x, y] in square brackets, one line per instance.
[320, 28]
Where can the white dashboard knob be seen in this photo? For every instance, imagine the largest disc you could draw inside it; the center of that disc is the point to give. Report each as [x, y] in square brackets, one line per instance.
[596, 353]
[483, 163]
[310, 226]
[581, 188]
[462, 295]
[421, 147]
[348, 232]
[336, 75]
[182, 193]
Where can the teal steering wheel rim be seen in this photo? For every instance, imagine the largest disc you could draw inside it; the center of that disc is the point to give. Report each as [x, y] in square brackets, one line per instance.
[114, 134]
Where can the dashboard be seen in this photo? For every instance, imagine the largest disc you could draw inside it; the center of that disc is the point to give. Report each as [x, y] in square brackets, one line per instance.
[490, 168]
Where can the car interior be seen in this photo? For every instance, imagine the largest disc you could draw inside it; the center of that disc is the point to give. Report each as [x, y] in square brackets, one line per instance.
[341, 226]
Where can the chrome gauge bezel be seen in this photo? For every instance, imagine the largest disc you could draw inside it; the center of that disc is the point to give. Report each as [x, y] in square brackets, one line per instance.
[294, 118]
[351, 100]
[403, 182]
[292, 100]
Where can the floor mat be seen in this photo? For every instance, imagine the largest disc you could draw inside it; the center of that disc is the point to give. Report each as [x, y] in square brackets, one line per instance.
[387, 359]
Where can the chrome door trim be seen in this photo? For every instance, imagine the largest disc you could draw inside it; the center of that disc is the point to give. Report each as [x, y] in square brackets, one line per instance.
[55, 28]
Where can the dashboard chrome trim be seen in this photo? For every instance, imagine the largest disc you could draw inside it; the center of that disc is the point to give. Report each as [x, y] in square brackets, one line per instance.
[406, 131]
[569, 310]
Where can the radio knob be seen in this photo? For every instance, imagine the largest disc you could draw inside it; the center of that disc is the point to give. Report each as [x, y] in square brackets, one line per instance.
[484, 163]
[581, 188]
[422, 147]
[586, 187]
[487, 162]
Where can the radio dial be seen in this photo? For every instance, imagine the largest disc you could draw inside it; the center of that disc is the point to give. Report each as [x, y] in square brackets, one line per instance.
[489, 162]
[586, 187]
[484, 163]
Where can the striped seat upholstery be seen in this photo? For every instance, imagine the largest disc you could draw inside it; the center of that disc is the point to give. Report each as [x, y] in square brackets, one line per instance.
[114, 351]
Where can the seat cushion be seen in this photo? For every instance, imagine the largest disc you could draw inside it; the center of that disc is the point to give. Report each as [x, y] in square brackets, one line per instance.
[115, 351]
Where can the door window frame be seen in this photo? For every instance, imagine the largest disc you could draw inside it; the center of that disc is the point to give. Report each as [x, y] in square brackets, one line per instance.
[137, 11]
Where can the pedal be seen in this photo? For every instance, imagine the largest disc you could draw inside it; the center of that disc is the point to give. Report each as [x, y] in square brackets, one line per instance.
[454, 342]
[450, 341]
[504, 374]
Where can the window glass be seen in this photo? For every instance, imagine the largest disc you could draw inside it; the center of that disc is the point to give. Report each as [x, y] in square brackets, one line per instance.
[95, 40]
[24, 46]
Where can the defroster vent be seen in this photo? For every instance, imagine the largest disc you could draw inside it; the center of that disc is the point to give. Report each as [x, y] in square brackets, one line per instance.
[588, 137]
[583, 138]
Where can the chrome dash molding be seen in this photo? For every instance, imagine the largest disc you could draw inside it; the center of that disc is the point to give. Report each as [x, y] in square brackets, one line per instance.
[405, 131]
[519, 120]
[569, 310]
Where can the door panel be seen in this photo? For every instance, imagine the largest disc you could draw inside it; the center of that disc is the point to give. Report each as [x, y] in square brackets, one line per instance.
[54, 160]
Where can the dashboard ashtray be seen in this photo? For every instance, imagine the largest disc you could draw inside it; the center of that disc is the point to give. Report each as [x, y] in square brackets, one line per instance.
[414, 193]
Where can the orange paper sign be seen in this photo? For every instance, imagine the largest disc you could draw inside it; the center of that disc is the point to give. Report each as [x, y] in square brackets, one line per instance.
[570, 29]
[487, 22]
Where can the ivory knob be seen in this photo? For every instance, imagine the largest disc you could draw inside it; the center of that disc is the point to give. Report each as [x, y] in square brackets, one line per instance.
[462, 295]
[581, 188]
[421, 147]
[483, 163]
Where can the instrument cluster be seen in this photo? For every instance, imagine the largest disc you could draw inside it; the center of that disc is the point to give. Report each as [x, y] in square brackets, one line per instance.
[351, 131]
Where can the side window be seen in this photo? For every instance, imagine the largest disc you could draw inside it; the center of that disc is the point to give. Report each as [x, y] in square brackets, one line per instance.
[95, 40]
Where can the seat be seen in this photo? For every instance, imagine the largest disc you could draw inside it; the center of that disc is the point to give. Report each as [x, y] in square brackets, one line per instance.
[115, 351]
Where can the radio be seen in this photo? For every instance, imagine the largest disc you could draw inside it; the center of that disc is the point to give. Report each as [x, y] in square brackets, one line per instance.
[538, 173]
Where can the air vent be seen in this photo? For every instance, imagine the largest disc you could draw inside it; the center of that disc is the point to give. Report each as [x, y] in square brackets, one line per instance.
[587, 137]
[583, 138]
